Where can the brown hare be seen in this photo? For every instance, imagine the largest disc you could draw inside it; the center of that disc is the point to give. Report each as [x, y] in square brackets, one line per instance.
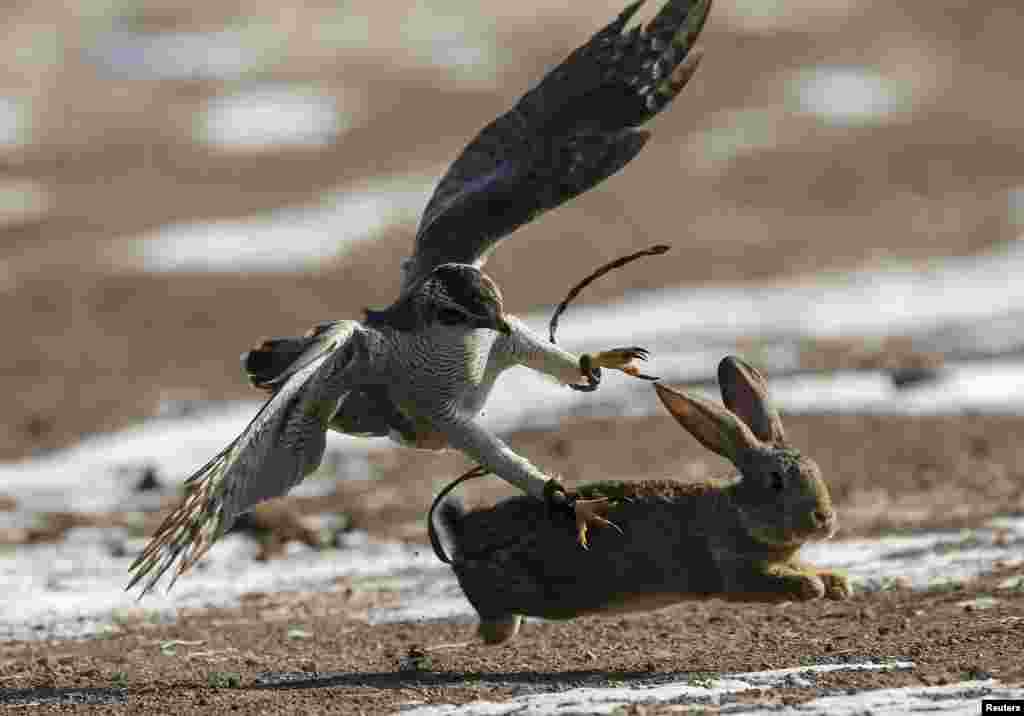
[735, 539]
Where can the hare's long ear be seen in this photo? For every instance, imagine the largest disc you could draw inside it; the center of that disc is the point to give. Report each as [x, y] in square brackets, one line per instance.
[715, 427]
[745, 392]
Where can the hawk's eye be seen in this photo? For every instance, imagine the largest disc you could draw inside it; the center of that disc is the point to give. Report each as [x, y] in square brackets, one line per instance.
[450, 317]
[778, 480]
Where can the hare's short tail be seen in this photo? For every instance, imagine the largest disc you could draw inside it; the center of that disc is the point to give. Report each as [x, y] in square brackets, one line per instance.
[444, 529]
[444, 524]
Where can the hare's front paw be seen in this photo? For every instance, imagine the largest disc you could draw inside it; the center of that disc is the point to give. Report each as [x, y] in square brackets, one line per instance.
[837, 585]
[776, 583]
[805, 587]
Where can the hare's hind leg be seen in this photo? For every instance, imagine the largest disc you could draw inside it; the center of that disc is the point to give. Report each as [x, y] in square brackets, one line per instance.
[498, 630]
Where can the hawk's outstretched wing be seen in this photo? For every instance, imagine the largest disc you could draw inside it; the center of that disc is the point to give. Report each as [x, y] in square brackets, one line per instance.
[566, 135]
[282, 445]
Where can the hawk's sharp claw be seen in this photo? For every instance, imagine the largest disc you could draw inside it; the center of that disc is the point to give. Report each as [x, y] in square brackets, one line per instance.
[590, 513]
[621, 358]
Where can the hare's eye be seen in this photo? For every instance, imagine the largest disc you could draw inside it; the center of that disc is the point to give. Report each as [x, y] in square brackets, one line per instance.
[450, 317]
[778, 480]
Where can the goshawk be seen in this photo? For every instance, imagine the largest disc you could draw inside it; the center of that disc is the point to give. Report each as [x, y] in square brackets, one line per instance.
[422, 369]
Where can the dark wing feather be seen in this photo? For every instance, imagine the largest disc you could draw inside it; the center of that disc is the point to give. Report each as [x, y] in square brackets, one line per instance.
[563, 137]
[273, 361]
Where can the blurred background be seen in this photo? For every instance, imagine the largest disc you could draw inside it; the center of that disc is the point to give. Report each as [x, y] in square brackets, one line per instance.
[842, 183]
[179, 180]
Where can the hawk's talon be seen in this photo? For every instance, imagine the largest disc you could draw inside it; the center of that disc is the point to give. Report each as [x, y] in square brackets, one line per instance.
[589, 370]
[633, 352]
[585, 513]
[590, 513]
[623, 359]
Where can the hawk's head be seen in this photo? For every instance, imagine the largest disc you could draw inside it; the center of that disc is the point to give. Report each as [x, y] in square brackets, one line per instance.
[451, 295]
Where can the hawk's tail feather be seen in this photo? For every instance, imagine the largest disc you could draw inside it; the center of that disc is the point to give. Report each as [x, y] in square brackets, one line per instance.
[282, 444]
[190, 530]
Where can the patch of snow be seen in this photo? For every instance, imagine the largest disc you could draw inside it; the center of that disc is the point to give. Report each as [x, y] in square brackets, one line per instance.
[849, 96]
[608, 700]
[522, 398]
[91, 475]
[14, 123]
[925, 560]
[908, 297]
[224, 54]
[76, 587]
[291, 238]
[427, 596]
[995, 386]
[769, 16]
[731, 134]
[1015, 202]
[960, 698]
[843, 96]
[273, 116]
[462, 40]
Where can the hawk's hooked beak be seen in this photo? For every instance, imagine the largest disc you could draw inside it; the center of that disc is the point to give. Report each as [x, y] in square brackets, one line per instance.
[492, 314]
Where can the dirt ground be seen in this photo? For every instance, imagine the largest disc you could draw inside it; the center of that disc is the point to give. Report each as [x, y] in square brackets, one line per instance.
[348, 667]
[886, 474]
[93, 345]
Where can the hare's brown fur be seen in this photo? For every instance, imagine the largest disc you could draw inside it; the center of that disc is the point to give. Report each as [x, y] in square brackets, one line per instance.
[732, 539]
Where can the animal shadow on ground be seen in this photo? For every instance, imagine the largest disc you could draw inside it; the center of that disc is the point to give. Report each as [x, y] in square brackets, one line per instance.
[68, 696]
[529, 680]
